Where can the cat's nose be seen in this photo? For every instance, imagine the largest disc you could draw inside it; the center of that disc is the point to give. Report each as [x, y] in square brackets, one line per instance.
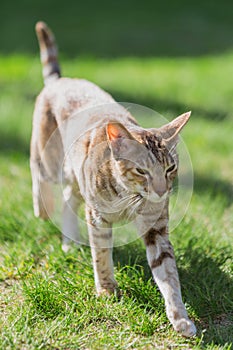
[160, 193]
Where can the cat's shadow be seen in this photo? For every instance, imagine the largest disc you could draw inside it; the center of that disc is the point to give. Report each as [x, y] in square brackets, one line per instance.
[205, 287]
[209, 290]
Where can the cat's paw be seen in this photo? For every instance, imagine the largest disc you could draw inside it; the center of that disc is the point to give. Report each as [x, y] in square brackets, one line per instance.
[185, 326]
[65, 247]
[105, 292]
[107, 289]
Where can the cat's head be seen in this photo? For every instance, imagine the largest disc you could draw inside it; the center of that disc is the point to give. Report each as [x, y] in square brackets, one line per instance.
[146, 160]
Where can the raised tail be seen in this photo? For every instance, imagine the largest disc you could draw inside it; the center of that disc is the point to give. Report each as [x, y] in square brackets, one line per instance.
[48, 53]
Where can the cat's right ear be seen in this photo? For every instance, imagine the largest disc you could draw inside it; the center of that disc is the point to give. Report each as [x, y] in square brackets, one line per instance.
[118, 138]
[170, 131]
[116, 132]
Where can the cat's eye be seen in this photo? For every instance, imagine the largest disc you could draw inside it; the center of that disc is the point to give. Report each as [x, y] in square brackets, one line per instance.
[141, 171]
[171, 168]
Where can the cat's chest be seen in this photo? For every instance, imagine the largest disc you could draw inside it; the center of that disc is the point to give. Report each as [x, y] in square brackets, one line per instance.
[127, 207]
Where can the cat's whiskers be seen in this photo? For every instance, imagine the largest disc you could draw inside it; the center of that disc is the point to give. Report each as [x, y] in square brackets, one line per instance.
[126, 199]
[135, 203]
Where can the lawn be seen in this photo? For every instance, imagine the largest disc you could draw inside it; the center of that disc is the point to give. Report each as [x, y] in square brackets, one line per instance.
[47, 297]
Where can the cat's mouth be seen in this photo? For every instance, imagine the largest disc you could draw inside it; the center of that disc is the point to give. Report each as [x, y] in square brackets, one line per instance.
[154, 197]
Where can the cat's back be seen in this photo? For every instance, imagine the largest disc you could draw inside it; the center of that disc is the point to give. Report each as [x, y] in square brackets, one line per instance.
[79, 89]
[66, 96]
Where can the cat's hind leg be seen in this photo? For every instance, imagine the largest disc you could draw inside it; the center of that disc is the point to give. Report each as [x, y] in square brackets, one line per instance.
[70, 230]
[46, 157]
[42, 194]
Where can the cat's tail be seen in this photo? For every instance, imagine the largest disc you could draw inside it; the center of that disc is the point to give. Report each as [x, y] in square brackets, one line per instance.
[48, 53]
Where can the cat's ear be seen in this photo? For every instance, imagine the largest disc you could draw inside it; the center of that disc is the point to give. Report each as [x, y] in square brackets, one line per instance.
[116, 131]
[118, 138]
[170, 132]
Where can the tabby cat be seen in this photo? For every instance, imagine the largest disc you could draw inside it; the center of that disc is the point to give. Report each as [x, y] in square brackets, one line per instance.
[120, 169]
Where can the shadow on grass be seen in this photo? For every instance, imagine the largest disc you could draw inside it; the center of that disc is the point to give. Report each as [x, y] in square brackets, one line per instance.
[209, 291]
[177, 108]
[13, 143]
[214, 187]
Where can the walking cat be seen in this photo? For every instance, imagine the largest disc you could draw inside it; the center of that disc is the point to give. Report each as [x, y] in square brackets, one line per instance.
[121, 170]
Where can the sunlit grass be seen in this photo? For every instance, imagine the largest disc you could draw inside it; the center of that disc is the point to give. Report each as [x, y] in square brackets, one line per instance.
[47, 298]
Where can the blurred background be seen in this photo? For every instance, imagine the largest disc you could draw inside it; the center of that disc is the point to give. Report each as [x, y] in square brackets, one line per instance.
[121, 28]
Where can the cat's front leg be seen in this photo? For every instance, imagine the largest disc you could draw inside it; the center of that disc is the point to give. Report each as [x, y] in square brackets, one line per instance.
[100, 236]
[161, 260]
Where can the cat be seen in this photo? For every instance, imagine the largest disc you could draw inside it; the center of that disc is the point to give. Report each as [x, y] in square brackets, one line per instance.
[120, 169]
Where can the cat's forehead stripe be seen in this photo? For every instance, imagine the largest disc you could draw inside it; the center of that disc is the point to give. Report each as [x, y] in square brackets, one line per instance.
[151, 157]
[152, 145]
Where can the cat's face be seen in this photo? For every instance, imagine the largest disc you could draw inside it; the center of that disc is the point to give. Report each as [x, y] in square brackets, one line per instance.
[142, 171]
[146, 161]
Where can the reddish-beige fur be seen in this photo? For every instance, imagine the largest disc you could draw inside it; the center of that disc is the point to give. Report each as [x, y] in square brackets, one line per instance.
[120, 169]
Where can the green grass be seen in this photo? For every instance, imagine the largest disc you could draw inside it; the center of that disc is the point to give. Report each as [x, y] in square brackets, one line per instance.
[169, 57]
[47, 298]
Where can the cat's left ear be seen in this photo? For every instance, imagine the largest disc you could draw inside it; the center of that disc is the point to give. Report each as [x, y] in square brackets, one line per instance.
[170, 132]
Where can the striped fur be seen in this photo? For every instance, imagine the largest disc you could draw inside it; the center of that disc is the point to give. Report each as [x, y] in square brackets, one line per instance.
[48, 52]
[120, 169]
